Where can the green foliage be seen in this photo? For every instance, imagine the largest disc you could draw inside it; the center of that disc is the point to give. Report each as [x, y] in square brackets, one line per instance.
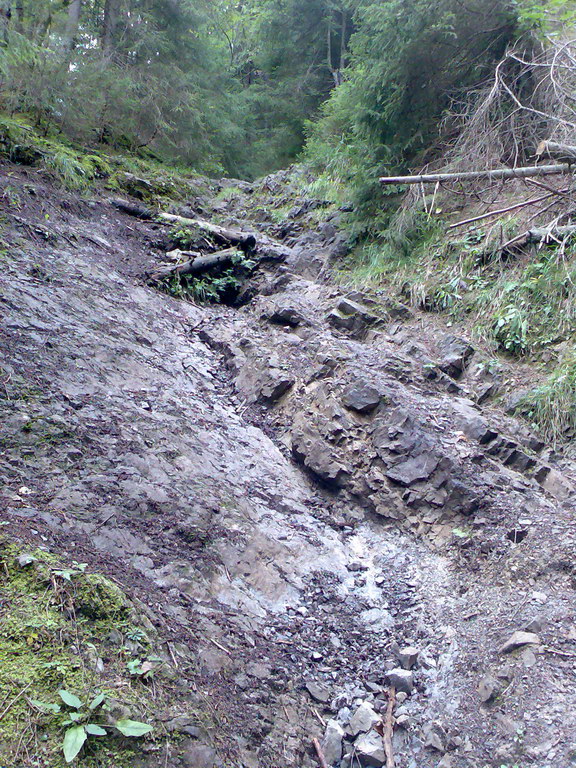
[409, 58]
[220, 285]
[51, 627]
[551, 407]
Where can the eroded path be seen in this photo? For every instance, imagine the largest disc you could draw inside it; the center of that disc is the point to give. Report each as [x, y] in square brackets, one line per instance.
[280, 484]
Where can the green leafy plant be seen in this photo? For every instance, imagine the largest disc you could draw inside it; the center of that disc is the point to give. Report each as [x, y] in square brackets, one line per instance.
[81, 721]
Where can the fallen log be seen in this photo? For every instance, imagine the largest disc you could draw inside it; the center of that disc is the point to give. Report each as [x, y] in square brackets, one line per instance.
[197, 265]
[541, 235]
[566, 153]
[132, 209]
[246, 240]
[499, 173]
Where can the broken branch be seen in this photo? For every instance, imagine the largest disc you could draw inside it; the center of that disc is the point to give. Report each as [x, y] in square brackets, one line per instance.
[233, 236]
[321, 758]
[566, 153]
[500, 211]
[389, 728]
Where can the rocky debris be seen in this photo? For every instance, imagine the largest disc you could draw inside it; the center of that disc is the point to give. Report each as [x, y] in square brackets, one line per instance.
[332, 743]
[362, 397]
[363, 719]
[318, 692]
[401, 679]
[488, 688]
[469, 420]
[263, 384]
[519, 639]
[320, 459]
[408, 656]
[456, 352]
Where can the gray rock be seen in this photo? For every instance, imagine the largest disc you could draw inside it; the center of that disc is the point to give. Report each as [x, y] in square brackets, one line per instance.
[456, 352]
[362, 397]
[408, 656]
[318, 692]
[370, 750]
[414, 469]
[197, 755]
[332, 742]
[363, 719]
[519, 640]
[318, 457]
[488, 688]
[469, 421]
[401, 679]
[287, 315]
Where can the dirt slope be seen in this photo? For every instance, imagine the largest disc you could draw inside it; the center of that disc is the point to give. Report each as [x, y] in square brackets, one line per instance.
[296, 488]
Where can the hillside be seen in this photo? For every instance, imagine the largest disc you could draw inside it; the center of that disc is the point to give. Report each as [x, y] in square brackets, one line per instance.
[288, 490]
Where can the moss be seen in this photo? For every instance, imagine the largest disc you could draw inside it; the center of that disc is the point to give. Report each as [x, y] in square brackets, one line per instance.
[55, 621]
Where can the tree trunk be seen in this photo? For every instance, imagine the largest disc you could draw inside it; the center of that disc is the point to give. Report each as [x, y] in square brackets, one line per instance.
[20, 16]
[111, 14]
[234, 236]
[73, 23]
[500, 173]
[198, 265]
[566, 153]
[545, 234]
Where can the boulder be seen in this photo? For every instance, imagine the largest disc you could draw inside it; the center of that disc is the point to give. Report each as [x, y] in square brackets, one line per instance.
[401, 679]
[287, 315]
[408, 656]
[318, 457]
[518, 640]
[370, 750]
[456, 352]
[318, 692]
[414, 469]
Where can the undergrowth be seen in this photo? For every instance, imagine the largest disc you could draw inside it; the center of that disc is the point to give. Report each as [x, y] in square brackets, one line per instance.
[77, 168]
[518, 305]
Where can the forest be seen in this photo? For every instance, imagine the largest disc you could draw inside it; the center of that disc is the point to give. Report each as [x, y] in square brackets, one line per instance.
[240, 88]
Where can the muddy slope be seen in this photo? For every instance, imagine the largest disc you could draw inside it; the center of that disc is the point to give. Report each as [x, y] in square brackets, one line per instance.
[297, 489]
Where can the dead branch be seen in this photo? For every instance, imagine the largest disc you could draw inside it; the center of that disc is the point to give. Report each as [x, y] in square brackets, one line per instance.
[132, 209]
[321, 758]
[246, 240]
[541, 235]
[565, 153]
[501, 211]
[498, 173]
[389, 728]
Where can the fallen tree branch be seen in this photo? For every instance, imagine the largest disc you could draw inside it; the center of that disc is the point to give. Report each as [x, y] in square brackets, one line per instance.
[132, 209]
[566, 153]
[321, 758]
[246, 240]
[541, 235]
[389, 728]
[197, 265]
[500, 211]
[499, 173]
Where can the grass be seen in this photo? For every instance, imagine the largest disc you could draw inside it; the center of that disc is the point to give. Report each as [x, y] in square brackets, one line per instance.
[78, 168]
[551, 407]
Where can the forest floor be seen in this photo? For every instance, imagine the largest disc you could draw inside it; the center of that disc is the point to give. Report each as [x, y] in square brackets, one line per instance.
[289, 492]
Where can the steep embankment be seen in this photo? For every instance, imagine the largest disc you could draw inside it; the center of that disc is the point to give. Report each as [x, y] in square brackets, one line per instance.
[292, 491]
